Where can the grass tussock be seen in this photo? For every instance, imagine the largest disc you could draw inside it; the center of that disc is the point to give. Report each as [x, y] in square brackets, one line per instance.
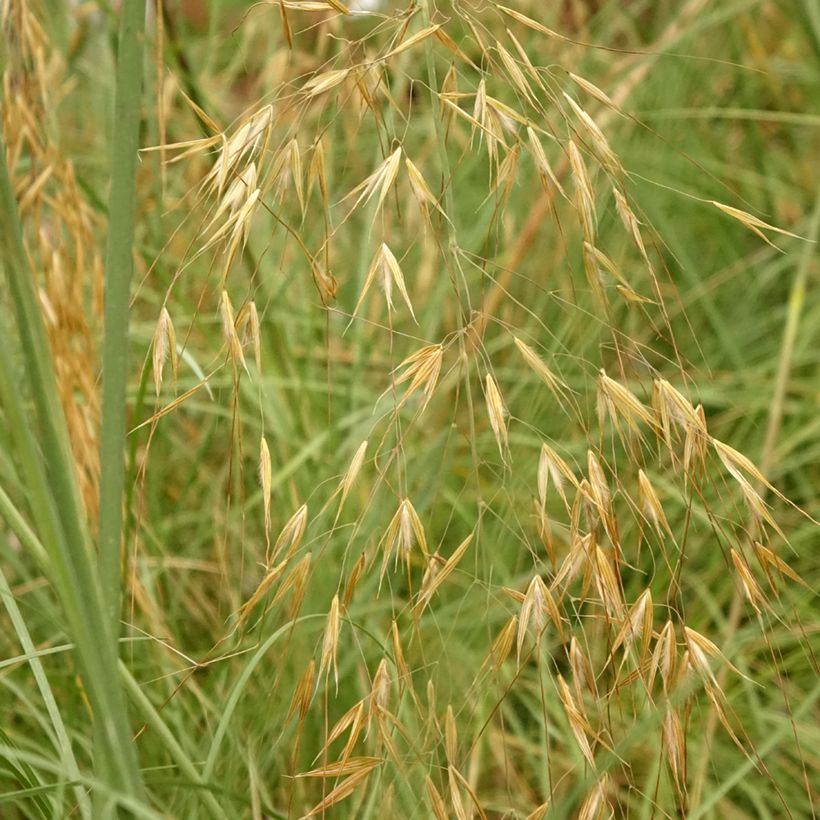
[470, 446]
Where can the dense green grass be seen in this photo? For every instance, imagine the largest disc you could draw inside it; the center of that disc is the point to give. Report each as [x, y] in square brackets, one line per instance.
[230, 701]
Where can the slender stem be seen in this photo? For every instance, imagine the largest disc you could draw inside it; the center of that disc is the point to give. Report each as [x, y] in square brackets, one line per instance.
[118, 273]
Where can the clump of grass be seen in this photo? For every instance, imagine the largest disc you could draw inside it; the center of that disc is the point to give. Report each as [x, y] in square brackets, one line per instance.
[440, 492]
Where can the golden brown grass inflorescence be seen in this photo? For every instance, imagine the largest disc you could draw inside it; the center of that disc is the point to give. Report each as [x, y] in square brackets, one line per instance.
[561, 516]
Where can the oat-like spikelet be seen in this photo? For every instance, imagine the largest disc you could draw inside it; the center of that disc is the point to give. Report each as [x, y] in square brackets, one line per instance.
[502, 644]
[291, 535]
[664, 658]
[621, 404]
[379, 691]
[630, 222]
[247, 321]
[497, 412]
[754, 594]
[229, 333]
[674, 747]
[404, 531]
[296, 582]
[421, 191]
[597, 140]
[538, 604]
[422, 370]
[436, 580]
[265, 475]
[330, 642]
[651, 505]
[595, 805]
[352, 473]
[266, 583]
[752, 222]
[701, 649]
[353, 580]
[637, 627]
[437, 803]
[542, 166]
[595, 92]
[578, 722]
[558, 388]
[582, 675]
[386, 270]
[584, 195]
[164, 343]
[303, 693]
[380, 180]
[539, 812]
[551, 467]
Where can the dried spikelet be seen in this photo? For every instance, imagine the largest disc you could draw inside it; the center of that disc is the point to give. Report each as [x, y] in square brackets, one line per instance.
[542, 166]
[340, 768]
[582, 674]
[553, 468]
[531, 69]
[595, 257]
[342, 790]
[675, 411]
[380, 180]
[500, 649]
[584, 195]
[449, 91]
[717, 700]
[621, 403]
[515, 73]
[347, 721]
[700, 650]
[450, 736]
[630, 222]
[247, 142]
[752, 222]
[578, 722]
[608, 586]
[330, 642]
[437, 803]
[267, 582]
[265, 475]
[164, 342]
[577, 560]
[385, 268]
[286, 172]
[291, 535]
[539, 812]
[595, 803]
[530, 23]
[544, 528]
[601, 497]
[317, 173]
[229, 330]
[674, 745]
[324, 82]
[452, 46]
[651, 505]
[247, 320]
[497, 413]
[541, 370]
[422, 370]
[429, 589]
[507, 174]
[421, 190]
[353, 580]
[595, 92]
[352, 473]
[303, 693]
[538, 603]
[296, 581]
[379, 691]
[637, 627]
[597, 140]
[459, 811]
[769, 560]
[404, 531]
[456, 775]
[664, 656]
[411, 41]
[751, 588]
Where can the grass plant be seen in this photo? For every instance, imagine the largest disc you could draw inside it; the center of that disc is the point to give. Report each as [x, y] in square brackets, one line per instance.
[409, 409]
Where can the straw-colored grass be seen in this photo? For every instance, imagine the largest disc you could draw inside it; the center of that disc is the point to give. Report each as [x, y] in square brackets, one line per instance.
[453, 450]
